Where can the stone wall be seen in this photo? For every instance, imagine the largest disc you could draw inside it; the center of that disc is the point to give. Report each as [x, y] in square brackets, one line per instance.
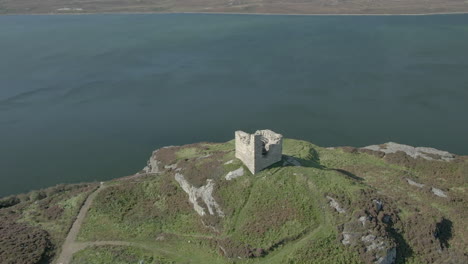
[259, 150]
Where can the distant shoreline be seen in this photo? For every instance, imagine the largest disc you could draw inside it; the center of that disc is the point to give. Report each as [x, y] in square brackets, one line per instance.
[237, 13]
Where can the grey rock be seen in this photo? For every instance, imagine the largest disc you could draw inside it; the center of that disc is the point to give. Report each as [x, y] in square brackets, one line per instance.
[172, 166]
[438, 192]
[152, 166]
[379, 204]
[346, 239]
[363, 220]
[414, 152]
[413, 183]
[333, 203]
[234, 174]
[205, 193]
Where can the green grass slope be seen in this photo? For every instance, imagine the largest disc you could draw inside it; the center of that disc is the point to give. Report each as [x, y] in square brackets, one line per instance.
[341, 205]
[33, 226]
[283, 214]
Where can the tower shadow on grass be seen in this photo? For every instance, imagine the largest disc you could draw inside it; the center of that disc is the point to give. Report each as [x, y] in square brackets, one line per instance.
[312, 162]
[348, 174]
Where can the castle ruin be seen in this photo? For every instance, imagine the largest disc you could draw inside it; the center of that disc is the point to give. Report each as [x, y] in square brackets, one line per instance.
[259, 150]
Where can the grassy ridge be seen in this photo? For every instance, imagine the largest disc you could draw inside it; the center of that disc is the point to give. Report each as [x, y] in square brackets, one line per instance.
[280, 215]
[34, 225]
[278, 211]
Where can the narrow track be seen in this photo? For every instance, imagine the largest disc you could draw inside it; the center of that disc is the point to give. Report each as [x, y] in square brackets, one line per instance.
[69, 247]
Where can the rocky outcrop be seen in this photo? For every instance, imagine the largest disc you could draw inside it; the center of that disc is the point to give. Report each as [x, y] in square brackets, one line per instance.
[438, 192]
[414, 152]
[334, 204]
[366, 232]
[377, 248]
[413, 183]
[203, 193]
[152, 165]
[234, 174]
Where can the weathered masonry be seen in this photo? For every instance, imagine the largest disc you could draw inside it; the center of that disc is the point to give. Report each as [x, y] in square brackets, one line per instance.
[259, 150]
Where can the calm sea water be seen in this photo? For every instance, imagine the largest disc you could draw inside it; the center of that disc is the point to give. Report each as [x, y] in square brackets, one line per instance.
[88, 97]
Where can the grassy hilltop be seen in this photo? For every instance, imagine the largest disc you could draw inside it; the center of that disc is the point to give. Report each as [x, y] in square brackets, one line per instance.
[318, 205]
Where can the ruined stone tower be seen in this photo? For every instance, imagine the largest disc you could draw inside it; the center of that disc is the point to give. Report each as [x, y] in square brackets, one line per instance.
[259, 150]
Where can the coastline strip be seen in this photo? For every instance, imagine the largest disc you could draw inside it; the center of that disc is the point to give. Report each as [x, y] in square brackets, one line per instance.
[238, 13]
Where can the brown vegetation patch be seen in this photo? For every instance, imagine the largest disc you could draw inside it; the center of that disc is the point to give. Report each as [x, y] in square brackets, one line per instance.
[399, 158]
[353, 150]
[196, 172]
[378, 154]
[271, 218]
[117, 200]
[143, 211]
[205, 165]
[54, 212]
[425, 232]
[455, 172]
[228, 210]
[166, 155]
[9, 201]
[176, 199]
[23, 244]
[234, 249]
[429, 237]
[381, 220]
[375, 205]
[348, 149]
[212, 223]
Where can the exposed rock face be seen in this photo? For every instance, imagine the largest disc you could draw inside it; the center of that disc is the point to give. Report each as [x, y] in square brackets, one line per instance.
[379, 249]
[336, 205]
[234, 174]
[389, 257]
[410, 182]
[366, 231]
[438, 192]
[380, 245]
[171, 167]
[152, 166]
[205, 193]
[414, 152]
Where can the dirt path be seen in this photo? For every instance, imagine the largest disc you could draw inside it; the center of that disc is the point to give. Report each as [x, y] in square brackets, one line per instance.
[69, 247]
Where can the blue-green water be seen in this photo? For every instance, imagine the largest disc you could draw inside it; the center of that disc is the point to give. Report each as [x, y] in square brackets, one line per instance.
[88, 97]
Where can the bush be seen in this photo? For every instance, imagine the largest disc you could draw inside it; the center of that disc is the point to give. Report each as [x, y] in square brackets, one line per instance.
[23, 244]
[9, 201]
